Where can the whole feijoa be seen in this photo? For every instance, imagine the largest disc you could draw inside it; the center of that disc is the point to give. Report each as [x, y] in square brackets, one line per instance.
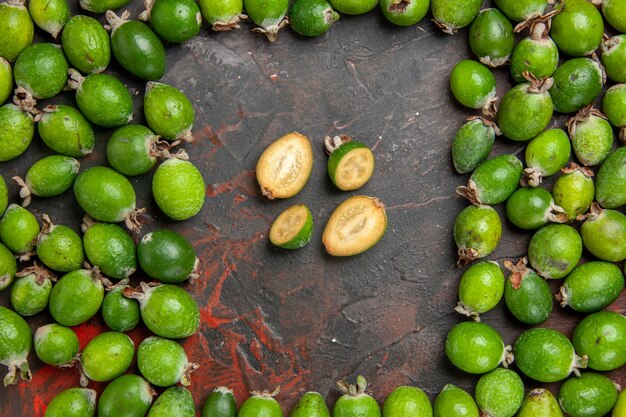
[480, 289]
[128, 396]
[101, 6]
[110, 248]
[173, 20]
[221, 403]
[500, 393]
[611, 180]
[8, 267]
[15, 344]
[589, 395]
[261, 403]
[86, 44]
[50, 16]
[17, 128]
[31, 291]
[311, 404]
[405, 401]
[614, 12]
[493, 181]
[613, 58]
[178, 188]
[56, 345]
[581, 17]
[65, 130]
[133, 150]
[536, 54]
[521, 10]
[269, 16]
[491, 37]
[41, 69]
[315, 17]
[476, 347]
[555, 250]
[73, 402]
[472, 144]
[174, 401]
[163, 362]
[591, 286]
[4, 196]
[48, 177]
[619, 410]
[473, 85]
[545, 156]
[574, 190]
[167, 256]
[19, 229]
[6, 79]
[168, 111]
[222, 15]
[602, 337]
[614, 107]
[477, 232]
[17, 27]
[76, 297]
[591, 135]
[527, 296]
[604, 234]
[120, 313]
[453, 401]
[106, 356]
[532, 208]
[452, 15]
[354, 400]
[540, 402]
[577, 83]
[59, 247]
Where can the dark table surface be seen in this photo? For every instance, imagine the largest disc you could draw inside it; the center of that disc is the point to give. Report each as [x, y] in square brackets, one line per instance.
[303, 319]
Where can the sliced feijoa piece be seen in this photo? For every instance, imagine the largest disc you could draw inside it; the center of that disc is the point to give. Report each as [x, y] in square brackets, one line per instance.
[351, 163]
[292, 228]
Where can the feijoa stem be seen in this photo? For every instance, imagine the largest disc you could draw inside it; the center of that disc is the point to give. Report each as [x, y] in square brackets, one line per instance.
[115, 21]
[25, 101]
[462, 309]
[41, 273]
[332, 143]
[232, 23]
[272, 31]
[25, 193]
[12, 376]
[266, 393]
[469, 192]
[518, 271]
[145, 15]
[185, 380]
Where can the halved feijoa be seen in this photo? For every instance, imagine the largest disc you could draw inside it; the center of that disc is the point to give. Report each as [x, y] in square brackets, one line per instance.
[292, 228]
[351, 163]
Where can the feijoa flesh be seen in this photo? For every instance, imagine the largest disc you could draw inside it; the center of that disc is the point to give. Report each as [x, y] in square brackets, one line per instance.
[292, 228]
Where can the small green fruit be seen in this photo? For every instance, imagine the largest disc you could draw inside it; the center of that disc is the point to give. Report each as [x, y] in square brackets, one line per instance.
[56, 345]
[164, 362]
[178, 188]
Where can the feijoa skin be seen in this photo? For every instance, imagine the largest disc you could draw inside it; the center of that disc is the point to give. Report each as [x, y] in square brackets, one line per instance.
[591, 286]
[178, 188]
[613, 57]
[453, 401]
[76, 297]
[8, 267]
[261, 404]
[15, 345]
[312, 404]
[491, 37]
[120, 314]
[604, 234]
[106, 357]
[473, 85]
[86, 44]
[16, 131]
[527, 296]
[19, 229]
[6, 79]
[480, 289]
[540, 403]
[614, 107]
[174, 401]
[56, 345]
[41, 69]
[546, 355]
[545, 156]
[611, 180]
[31, 291]
[532, 208]
[73, 402]
[48, 177]
[619, 410]
[50, 16]
[110, 248]
[452, 15]
[222, 15]
[602, 337]
[59, 247]
[4, 196]
[167, 256]
[577, 83]
[614, 12]
[164, 362]
[581, 17]
[519, 11]
[101, 6]
[500, 393]
[221, 403]
[270, 15]
[407, 401]
[472, 144]
[354, 401]
[574, 190]
[493, 181]
[350, 164]
[477, 232]
[476, 347]
[168, 111]
[126, 396]
[536, 54]
[402, 13]
[17, 25]
[132, 150]
[173, 20]
[66, 131]
[555, 250]
[591, 135]
[589, 395]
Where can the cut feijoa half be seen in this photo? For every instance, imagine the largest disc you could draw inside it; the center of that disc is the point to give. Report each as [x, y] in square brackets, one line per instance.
[292, 228]
[285, 166]
[351, 163]
[355, 226]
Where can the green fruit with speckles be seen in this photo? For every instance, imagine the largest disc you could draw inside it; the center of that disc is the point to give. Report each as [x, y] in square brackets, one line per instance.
[589, 395]
[59, 247]
[615, 13]
[19, 229]
[533, 208]
[536, 54]
[604, 234]
[545, 355]
[4, 196]
[73, 402]
[582, 18]
[620, 406]
[602, 337]
[574, 190]
[525, 110]
[520, 10]
[17, 28]
[50, 176]
[614, 107]
[222, 15]
[76, 297]
[452, 401]
[452, 15]
[269, 15]
[174, 20]
[500, 393]
[473, 85]
[168, 111]
[86, 44]
[475, 347]
[493, 181]
[472, 144]
[555, 250]
[6, 79]
[56, 345]
[577, 83]
[315, 17]
[540, 403]
[8, 267]
[164, 362]
[311, 404]
[480, 289]
[50, 15]
[477, 232]
[41, 69]
[132, 150]
[527, 296]
[260, 404]
[354, 401]
[107, 356]
[491, 37]
[611, 180]
[121, 314]
[15, 344]
[127, 396]
[404, 13]
[66, 131]
[407, 402]
[178, 189]
[31, 291]
[613, 58]
[174, 401]
[221, 403]
[591, 286]
[110, 248]
[591, 135]
[16, 131]
[167, 256]
[101, 6]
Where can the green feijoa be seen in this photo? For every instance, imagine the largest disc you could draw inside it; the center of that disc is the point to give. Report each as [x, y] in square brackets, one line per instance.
[589, 395]
[480, 289]
[407, 402]
[221, 403]
[536, 54]
[473, 85]
[31, 291]
[403, 13]
[591, 286]
[351, 7]
[477, 232]
[476, 347]
[56, 345]
[164, 362]
[527, 296]
[8, 267]
[577, 83]
[452, 401]
[602, 337]
[15, 344]
[178, 188]
[532, 208]
[167, 256]
[121, 314]
[614, 107]
[261, 404]
[604, 234]
[493, 181]
[17, 28]
[519, 11]
[110, 248]
[174, 401]
[315, 17]
[50, 16]
[73, 402]
[106, 356]
[269, 15]
[59, 247]
[107, 195]
[136, 47]
[126, 396]
[76, 297]
[6, 79]
[591, 135]
[19, 229]
[173, 20]
[17, 128]
[615, 13]
[500, 393]
[101, 6]
[555, 250]
[491, 37]
[613, 58]
[582, 18]
[525, 110]
[222, 15]
[611, 180]
[573, 191]
[167, 310]
[65, 130]
[472, 144]
[132, 150]
[620, 406]
[292, 228]
[350, 164]
[48, 177]
[86, 44]
[103, 99]
[41, 69]
[354, 401]
[452, 15]
[540, 403]
[311, 404]
[546, 355]
[4, 196]
[168, 111]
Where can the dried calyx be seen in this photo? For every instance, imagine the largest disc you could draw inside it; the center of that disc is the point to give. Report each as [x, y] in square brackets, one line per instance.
[582, 116]
[332, 143]
[272, 31]
[41, 274]
[266, 393]
[25, 101]
[232, 23]
[538, 85]
[353, 390]
[114, 21]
